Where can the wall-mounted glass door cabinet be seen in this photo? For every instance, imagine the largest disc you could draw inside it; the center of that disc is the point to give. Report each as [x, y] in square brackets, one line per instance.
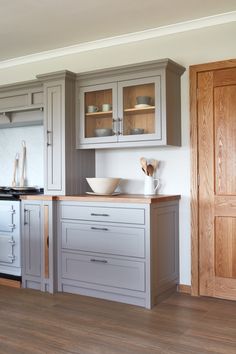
[131, 109]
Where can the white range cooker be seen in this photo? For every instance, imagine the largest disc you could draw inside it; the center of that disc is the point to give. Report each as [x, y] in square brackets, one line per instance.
[10, 229]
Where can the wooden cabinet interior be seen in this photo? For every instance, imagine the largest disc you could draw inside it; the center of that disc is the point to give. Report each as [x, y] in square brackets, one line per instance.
[138, 117]
[99, 119]
[130, 94]
[98, 98]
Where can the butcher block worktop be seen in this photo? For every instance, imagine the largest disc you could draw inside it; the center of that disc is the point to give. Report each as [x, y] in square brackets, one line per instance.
[121, 198]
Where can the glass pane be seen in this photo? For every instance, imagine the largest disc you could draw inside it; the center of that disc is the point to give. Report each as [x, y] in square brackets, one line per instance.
[139, 109]
[98, 113]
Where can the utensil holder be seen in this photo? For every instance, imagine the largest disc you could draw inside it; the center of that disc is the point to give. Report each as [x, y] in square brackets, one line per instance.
[150, 185]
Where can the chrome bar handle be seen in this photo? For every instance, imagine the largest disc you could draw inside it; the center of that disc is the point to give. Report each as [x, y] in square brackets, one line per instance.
[26, 211]
[98, 260]
[49, 137]
[99, 228]
[114, 125]
[120, 129]
[11, 257]
[12, 226]
[95, 214]
[12, 242]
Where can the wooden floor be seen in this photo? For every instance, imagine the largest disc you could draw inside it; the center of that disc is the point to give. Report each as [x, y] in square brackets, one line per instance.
[34, 322]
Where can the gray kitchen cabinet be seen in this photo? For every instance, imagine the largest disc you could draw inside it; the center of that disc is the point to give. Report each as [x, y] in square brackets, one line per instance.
[124, 252]
[65, 168]
[21, 104]
[109, 113]
[38, 256]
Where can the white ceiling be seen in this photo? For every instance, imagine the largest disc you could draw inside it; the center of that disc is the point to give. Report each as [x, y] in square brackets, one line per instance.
[32, 26]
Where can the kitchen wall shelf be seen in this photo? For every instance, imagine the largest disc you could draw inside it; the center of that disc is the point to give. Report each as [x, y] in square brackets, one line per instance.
[120, 87]
[99, 114]
[17, 99]
[22, 109]
[150, 109]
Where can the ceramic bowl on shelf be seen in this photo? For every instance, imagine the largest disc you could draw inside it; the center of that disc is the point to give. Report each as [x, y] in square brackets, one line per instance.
[104, 186]
[103, 132]
[136, 131]
[144, 100]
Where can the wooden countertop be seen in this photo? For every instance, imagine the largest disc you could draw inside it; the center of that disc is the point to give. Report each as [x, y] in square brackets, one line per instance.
[121, 198]
[38, 197]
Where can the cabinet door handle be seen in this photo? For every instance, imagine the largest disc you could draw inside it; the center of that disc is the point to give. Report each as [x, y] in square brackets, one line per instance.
[98, 260]
[26, 211]
[94, 214]
[49, 137]
[99, 228]
[120, 130]
[114, 125]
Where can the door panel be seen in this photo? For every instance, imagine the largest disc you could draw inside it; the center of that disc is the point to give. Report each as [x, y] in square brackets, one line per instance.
[225, 142]
[225, 247]
[140, 121]
[32, 240]
[53, 138]
[217, 189]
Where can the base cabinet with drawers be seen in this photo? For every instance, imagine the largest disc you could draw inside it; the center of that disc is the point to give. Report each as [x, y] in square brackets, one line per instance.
[118, 251]
[38, 242]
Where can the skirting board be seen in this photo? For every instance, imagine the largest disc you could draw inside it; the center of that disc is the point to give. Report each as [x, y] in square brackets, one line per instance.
[185, 289]
[10, 282]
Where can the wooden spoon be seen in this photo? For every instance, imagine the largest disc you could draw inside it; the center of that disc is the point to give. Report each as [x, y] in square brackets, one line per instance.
[143, 164]
[16, 161]
[22, 178]
[155, 164]
[150, 170]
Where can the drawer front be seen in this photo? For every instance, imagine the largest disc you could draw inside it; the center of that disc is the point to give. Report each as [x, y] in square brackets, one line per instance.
[115, 240]
[102, 214]
[104, 271]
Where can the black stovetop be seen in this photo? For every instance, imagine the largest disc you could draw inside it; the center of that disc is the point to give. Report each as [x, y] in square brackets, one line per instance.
[10, 193]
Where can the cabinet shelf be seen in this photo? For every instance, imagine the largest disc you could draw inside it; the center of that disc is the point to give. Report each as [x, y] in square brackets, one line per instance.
[150, 109]
[21, 109]
[99, 114]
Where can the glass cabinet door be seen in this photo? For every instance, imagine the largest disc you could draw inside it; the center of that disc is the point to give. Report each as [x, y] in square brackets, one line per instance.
[139, 109]
[98, 113]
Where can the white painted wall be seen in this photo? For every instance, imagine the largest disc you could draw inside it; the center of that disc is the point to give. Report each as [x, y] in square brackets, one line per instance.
[11, 143]
[187, 48]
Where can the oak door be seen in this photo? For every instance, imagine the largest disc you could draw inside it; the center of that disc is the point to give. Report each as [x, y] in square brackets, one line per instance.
[217, 186]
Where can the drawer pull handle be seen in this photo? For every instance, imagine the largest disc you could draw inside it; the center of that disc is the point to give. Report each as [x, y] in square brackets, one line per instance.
[99, 228]
[98, 260]
[94, 214]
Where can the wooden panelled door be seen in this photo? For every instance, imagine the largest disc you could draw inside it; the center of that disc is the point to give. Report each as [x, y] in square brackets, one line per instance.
[216, 117]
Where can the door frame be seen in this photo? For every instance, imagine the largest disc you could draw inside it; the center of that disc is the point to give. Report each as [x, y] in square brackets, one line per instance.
[194, 70]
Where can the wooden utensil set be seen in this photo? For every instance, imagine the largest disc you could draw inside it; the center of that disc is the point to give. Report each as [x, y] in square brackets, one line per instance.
[16, 166]
[148, 166]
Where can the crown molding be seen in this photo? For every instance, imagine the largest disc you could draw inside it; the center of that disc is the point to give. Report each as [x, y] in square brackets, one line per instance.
[123, 39]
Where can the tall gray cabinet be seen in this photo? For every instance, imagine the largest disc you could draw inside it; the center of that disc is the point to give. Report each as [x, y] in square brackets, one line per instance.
[65, 168]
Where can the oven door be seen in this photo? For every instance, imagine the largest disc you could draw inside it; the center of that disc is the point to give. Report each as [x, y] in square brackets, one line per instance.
[6, 218]
[7, 249]
[10, 257]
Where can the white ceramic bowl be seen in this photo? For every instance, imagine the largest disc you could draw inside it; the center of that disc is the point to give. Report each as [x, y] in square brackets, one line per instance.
[103, 132]
[103, 185]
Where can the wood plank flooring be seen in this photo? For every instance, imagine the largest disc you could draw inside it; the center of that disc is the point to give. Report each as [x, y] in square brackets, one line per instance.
[34, 322]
